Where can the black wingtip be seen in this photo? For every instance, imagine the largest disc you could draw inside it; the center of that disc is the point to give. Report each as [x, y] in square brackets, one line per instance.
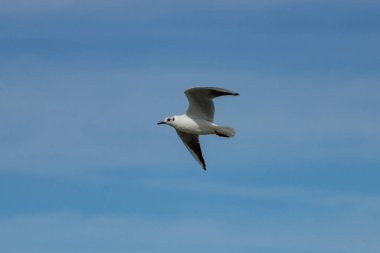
[236, 94]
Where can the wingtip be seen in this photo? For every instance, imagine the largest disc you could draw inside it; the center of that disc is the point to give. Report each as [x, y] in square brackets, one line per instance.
[236, 94]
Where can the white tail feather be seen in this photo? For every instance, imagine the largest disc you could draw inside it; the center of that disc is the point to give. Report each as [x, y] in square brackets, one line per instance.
[225, 131]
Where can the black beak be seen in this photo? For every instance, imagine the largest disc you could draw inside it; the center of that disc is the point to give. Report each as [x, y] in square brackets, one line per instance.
[161, 122]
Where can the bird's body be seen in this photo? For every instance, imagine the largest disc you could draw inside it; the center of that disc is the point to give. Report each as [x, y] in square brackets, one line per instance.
[199, 119]
[190, 125]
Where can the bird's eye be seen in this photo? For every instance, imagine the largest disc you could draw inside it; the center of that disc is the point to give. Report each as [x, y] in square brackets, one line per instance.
[169, 119]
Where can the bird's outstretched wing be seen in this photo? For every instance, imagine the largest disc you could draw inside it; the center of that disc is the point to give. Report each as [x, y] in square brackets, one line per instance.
[191, 142]
[200, 101]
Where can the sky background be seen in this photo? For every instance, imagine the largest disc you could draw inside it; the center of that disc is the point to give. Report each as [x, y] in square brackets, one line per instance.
[84, 167]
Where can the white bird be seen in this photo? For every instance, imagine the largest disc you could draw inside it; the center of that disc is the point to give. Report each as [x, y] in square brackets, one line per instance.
[199, 119]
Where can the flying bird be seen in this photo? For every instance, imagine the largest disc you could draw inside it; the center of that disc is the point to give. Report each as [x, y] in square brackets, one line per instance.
[199, 119]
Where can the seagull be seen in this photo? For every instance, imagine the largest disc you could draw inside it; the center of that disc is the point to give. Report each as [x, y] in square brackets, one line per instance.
[199, 119]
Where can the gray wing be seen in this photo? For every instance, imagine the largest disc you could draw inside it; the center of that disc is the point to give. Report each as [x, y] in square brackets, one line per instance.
[191, 142]
[200, 101]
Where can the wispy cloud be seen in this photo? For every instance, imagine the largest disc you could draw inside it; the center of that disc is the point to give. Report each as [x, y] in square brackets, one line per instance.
[319, 197]
[77, 123]
[76, 233]
[83, 83]
[145, 9]
[101, 119]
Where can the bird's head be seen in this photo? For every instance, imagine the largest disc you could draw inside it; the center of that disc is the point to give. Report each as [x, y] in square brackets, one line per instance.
[168, 121]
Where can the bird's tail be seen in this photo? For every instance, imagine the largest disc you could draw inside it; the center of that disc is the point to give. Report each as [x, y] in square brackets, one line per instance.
[224, 131]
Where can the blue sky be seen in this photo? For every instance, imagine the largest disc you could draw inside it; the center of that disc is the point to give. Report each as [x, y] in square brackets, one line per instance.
[85, 168]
